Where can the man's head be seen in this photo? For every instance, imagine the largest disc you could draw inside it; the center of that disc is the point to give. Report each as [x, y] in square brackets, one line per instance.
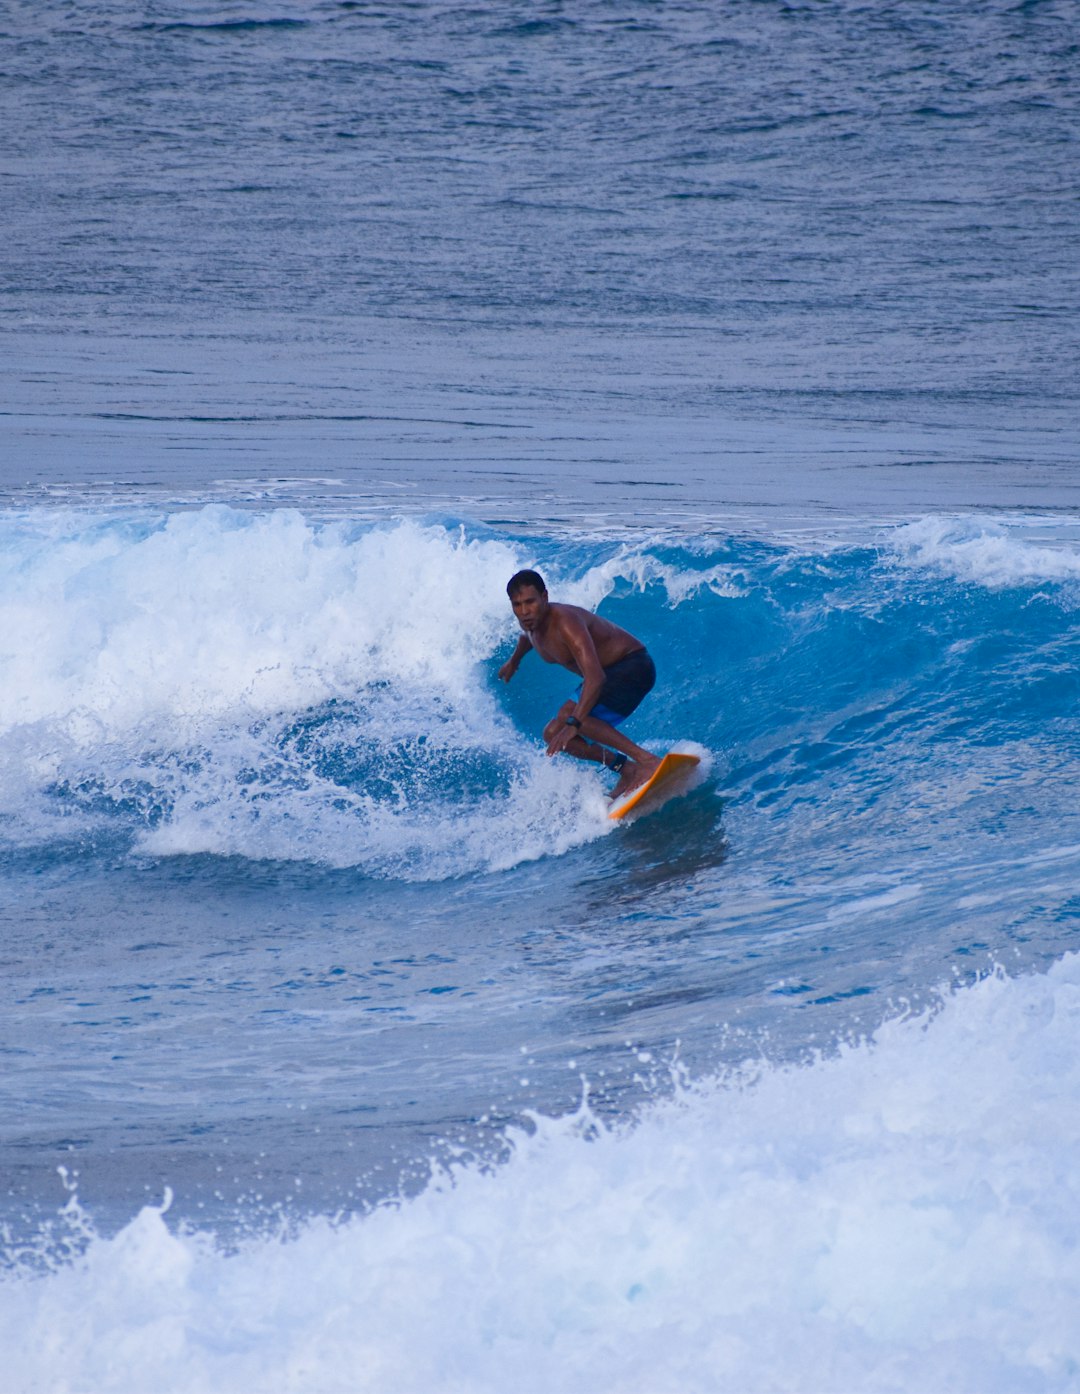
[521, 579]
[529, 597]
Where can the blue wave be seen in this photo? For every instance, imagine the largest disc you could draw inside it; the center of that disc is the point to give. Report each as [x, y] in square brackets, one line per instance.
[312, 709]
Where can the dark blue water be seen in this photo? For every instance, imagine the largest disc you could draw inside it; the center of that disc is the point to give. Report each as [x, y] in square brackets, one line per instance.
[750, 253]
[753, 325]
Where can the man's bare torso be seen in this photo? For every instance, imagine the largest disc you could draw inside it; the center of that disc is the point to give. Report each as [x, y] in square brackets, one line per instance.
[550, 642]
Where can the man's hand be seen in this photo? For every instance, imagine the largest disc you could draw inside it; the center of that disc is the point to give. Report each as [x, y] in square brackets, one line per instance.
[513, 663]
[561, 739]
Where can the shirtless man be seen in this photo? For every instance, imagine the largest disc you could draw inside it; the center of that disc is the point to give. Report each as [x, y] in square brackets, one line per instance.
[616, 674]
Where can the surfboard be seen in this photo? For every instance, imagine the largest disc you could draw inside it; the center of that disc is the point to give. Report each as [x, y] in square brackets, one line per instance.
[665, 782]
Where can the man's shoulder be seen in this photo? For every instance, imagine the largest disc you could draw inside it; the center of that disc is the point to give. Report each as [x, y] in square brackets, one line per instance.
[569, 616]
[566, 611]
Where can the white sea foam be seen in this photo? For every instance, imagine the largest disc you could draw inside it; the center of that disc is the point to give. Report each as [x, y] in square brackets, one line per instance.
[199, 615]
[158, 661]
[985, 552]
[902, 1216]
[641, 569]
[547, 809]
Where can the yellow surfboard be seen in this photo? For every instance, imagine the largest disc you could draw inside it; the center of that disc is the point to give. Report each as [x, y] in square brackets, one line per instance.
[666, 781]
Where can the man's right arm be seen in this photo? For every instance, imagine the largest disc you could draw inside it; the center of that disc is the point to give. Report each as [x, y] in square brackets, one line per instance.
[510, 667]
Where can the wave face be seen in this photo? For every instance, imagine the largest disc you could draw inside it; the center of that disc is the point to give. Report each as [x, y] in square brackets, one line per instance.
[901, 1216]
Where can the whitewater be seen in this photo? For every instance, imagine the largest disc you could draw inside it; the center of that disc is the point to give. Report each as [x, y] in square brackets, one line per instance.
[902, 1214]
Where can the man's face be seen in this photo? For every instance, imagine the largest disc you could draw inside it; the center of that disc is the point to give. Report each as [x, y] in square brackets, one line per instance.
[530, 606]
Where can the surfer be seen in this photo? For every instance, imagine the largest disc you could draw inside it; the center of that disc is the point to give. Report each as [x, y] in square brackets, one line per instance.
[616, 673]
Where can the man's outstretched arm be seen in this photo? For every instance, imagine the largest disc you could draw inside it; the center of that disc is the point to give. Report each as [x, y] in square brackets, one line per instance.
[510, 667]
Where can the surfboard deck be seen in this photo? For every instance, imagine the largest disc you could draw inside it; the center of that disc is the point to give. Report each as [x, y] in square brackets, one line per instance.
[663, 785]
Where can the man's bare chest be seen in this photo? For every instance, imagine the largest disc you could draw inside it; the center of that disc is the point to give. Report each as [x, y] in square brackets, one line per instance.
[554, 650]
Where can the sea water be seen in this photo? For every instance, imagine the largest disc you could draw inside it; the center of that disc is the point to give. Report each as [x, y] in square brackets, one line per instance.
[347, 1044]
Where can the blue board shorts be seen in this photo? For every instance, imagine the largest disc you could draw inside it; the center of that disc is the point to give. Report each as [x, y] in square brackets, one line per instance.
[626, 685]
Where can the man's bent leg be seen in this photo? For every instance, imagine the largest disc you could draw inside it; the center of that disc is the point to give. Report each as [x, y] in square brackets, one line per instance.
[595, 729]
[640, 763]
[577, 746]
[582, 749]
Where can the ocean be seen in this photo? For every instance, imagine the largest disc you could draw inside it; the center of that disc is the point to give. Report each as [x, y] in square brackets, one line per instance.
[347, 1044]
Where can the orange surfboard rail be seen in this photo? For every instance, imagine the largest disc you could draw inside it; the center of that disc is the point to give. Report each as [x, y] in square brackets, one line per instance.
[668, 770]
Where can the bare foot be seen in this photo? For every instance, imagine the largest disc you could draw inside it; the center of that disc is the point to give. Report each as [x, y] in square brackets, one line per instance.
[634, 774]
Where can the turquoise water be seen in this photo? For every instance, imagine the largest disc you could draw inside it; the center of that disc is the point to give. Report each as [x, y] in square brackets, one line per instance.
[347, 1043]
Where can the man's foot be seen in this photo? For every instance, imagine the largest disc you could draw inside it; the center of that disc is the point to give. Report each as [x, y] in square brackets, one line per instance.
[634, 774]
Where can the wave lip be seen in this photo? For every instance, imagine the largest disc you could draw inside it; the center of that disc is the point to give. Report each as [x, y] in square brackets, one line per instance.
[201, 615]
[984, 553]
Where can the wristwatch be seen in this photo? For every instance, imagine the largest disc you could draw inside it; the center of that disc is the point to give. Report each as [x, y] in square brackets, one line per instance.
[573, 721]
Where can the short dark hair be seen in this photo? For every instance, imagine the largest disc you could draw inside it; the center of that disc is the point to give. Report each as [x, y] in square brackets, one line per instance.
[521, 579]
